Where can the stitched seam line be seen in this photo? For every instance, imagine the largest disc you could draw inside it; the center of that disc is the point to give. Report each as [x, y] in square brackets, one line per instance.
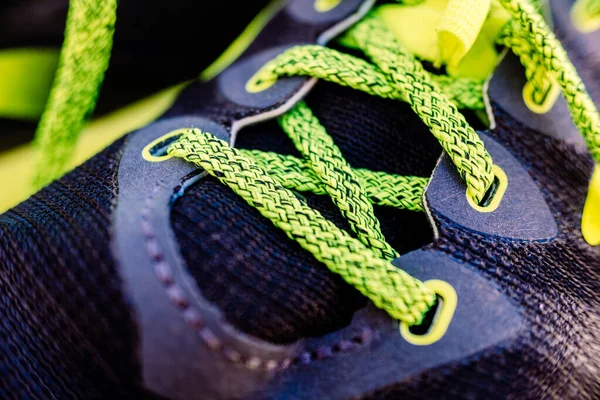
[365, 337]
[193, 317]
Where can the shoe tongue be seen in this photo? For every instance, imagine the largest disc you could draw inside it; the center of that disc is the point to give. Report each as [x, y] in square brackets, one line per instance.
[264, 282]
[460, 37]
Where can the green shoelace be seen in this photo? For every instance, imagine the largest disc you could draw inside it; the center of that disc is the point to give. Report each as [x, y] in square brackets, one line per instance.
[83, 61]
[267, 181]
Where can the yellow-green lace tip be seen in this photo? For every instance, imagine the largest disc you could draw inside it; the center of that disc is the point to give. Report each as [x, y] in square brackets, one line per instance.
[585, 15]
[590, 223]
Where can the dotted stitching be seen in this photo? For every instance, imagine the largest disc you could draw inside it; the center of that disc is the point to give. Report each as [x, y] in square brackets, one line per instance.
[365, 337]
[193, 317]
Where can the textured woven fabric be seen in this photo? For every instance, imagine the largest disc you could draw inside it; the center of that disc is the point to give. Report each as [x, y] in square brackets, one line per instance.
[556, 284]
[64, 317]
[65, 330]
[403, 297]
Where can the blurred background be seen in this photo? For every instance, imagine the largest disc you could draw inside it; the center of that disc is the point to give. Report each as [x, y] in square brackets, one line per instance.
[158, 43]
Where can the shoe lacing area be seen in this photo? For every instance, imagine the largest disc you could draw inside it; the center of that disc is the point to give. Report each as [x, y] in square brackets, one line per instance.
[265, 180]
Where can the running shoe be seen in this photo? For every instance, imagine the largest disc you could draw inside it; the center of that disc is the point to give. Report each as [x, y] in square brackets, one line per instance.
[346, 211]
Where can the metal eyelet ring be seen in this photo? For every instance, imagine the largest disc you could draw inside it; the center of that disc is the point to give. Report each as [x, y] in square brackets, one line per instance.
[448, 301]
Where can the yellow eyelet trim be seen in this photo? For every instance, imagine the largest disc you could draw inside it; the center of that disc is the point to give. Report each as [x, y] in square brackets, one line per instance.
[147, 155]
[498, 196]
[442, 320]
[590, 222]
[323, 6]
[258, 84]
[549, 100]
[581, 20]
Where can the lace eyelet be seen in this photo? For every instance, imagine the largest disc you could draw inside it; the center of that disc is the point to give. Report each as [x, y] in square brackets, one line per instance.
[444, 311]
[549, 100]
[324, 6]
[494, 196]
[156, 151]
[590, 220]
[581, 19]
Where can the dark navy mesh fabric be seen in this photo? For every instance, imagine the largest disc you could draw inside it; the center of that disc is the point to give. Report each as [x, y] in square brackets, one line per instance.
[64, 315]
[65, 330]
[556, 285]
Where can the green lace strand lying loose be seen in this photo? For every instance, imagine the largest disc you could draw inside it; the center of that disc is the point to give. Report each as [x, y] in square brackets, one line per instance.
[83, 61]
[268, 181]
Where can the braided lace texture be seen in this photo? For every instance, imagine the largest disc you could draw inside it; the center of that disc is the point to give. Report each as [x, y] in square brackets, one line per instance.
[83, 61]
[339, 181]
[381, 188]
[407, 81]
[402, 296]
[532, 40]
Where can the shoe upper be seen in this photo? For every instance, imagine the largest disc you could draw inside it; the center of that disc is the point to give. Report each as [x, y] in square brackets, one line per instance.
[128, 277]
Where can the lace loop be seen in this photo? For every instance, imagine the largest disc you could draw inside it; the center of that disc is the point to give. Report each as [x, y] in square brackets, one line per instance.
[448, 125]
[396, 75]
[554, 60]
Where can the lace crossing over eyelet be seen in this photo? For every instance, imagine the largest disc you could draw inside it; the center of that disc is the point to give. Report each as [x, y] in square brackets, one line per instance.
[438, 318]
[257, 83]
[494, 195]
[546, 105]
[156, 151]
